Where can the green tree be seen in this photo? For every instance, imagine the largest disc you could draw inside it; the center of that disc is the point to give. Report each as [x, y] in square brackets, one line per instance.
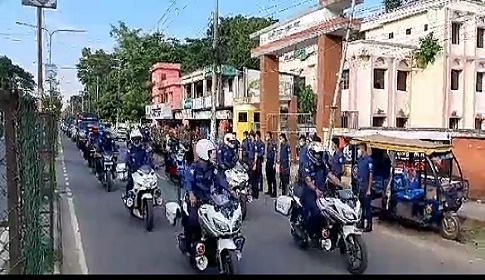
[13, 73]
[307, 100]
[390, 5]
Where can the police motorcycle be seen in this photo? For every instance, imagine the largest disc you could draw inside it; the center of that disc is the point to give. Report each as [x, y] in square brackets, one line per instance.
[238, 180]
[221, 243]
[144, 196]
[341, 213]
[109, 172]
[176, 164]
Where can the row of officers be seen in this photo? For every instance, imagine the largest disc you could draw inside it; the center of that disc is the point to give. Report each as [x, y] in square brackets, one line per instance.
[259, 154]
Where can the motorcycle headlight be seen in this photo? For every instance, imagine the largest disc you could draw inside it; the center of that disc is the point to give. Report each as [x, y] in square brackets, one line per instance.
[349, 214]
[221, 225]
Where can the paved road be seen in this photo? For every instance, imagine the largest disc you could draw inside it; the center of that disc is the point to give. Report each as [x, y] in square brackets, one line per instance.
[114, 242]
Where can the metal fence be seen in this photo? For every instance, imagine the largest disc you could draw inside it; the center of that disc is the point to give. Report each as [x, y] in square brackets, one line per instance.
[27, 183]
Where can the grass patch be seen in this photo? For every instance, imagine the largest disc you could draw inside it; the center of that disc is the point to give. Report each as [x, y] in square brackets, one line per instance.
[474, 235]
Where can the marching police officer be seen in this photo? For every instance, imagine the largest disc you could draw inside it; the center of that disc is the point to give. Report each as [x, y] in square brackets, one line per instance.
[284, 163]
[270, 166]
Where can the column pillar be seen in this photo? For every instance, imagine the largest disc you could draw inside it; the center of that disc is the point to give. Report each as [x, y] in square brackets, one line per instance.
[328, 57]
[293, 126]
[269, 94]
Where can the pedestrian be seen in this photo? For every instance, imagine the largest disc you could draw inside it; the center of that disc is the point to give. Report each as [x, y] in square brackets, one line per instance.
[260, 149]
[284, 163]
[302, 155]
[365, 176]
[270, 166]
[237, 146]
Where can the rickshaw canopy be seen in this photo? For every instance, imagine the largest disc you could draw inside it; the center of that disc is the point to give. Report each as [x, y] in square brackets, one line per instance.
[401, 145]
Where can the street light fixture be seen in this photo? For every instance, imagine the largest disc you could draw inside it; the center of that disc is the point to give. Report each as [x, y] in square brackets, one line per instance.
[51, 33]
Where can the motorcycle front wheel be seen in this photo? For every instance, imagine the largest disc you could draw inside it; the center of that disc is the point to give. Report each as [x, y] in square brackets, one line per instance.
[244, 206]
[230, 263]
[148, 214]
[357, 255]
[109, 181]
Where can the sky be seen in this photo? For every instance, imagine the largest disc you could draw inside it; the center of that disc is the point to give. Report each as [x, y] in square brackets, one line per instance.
[182, 18]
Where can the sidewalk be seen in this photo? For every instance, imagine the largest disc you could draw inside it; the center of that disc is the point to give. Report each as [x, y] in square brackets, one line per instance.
[473, 210]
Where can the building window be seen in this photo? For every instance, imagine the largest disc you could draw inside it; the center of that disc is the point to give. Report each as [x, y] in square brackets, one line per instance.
[391, 35]
[408, 31]
[350, 119]
[425, 27]
[345, 79]
[453, 123]
[455, 33]
[401, 122]
[480, 37]
[163, 76]
[378, 121]
[402, 80]
[230, 83]
[379, 78]
[257, 117]
[478, 123]
[455, 79]
[242, 117]
[479, 84]
[344, 120]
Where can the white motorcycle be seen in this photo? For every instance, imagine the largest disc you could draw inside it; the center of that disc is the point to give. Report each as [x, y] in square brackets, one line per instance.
[221, 242]
[341, 212]
[238, 180]
[144, 196]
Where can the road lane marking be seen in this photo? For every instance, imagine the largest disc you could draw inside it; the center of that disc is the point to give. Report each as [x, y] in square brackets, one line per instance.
[74, 222]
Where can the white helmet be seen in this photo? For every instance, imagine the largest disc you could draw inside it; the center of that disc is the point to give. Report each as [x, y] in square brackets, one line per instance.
[205, 150]
[230, 140]
[136, 137]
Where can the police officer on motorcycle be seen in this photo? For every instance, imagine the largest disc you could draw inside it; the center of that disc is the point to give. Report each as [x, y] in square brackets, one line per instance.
[136, 157]
[202, 179]
[106, 145]
[315, 174]
[226, 155]
[93, 138]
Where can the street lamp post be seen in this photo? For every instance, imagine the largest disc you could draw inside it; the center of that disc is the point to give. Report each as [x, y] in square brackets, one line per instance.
[51, 33]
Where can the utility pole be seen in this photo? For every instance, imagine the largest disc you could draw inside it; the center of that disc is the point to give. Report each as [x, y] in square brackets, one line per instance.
[336, 94]
[97, 95]
[118, 94]
[40, 78]
[215, 73]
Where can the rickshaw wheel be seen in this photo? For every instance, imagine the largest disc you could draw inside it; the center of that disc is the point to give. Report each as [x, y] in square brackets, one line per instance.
[450, 226]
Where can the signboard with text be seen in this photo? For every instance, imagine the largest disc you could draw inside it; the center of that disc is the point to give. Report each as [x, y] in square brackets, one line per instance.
[45, 4]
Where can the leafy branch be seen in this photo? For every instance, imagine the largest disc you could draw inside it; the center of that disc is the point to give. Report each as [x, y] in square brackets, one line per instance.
[429, 48]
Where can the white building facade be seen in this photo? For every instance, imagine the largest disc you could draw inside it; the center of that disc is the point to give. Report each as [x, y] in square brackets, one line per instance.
[382, 86]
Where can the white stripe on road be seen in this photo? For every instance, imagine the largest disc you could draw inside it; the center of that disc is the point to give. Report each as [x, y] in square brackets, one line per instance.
[78, 244]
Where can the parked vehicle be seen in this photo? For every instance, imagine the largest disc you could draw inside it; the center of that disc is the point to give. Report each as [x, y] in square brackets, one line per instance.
[424, 183]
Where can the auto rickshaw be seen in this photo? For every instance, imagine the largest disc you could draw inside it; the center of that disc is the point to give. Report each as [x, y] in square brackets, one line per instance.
[414, 180]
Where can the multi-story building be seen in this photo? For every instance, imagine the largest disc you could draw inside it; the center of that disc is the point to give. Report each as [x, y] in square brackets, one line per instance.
[166, 91]
[382, 86]
[197, 96]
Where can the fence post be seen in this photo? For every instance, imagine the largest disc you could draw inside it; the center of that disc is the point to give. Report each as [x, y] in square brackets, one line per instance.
[9, 101]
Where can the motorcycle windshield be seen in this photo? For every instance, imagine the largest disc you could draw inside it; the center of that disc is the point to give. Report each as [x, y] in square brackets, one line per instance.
[220, 199]
[145, 169]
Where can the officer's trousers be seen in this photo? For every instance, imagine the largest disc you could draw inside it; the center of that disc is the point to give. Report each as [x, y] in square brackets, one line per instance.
[190, 222]
[284, 179]
[365, 202]
[271, 177]
[314, 216]
[256, 178]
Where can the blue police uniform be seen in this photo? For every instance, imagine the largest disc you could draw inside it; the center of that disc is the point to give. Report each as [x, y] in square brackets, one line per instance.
[302, 160]
[364, 169]
[271, 149]
[318, 174]
[259, 148]
[226, 158]
[245, 147]
[136, 157]
[338, 161]
[284, 161]
[237, 146]
[201, 179]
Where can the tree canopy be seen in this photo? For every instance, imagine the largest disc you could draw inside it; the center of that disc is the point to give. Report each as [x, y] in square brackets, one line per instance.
[14, 73]
[118, 83]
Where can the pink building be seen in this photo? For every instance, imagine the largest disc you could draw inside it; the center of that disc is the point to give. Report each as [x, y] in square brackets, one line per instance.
[166, 85]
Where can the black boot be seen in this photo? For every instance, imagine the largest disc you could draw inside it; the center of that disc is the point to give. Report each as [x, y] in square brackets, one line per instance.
[368, 227]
